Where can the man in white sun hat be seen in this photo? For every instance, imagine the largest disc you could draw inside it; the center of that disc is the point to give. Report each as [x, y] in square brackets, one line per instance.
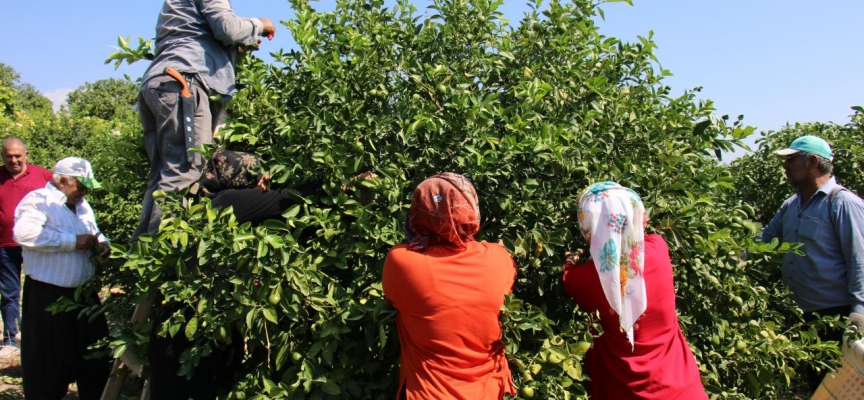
[829, 220]
[57, 232]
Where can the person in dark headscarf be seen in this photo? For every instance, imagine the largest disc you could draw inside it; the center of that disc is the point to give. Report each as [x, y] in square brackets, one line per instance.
[229, 179]
[234, 179]
[448, 290]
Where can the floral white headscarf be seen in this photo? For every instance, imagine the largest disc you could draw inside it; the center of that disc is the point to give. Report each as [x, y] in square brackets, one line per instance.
[612, 219]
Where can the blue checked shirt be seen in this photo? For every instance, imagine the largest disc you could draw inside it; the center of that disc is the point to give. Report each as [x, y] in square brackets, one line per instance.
[46, 230]
[831, 274]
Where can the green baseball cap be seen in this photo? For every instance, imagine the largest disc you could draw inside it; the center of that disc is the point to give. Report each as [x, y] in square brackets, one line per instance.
[810, 145]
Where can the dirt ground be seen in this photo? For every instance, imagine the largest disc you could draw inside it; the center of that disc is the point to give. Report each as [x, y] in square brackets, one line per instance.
[10, 381]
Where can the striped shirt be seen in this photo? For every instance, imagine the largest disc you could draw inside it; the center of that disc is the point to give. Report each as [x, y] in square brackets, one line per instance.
[46, 230]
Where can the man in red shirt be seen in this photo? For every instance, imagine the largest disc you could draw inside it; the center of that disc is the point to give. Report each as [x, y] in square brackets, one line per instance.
[17, 178]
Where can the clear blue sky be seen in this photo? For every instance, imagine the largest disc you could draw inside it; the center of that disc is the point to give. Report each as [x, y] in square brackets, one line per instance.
[773, 61]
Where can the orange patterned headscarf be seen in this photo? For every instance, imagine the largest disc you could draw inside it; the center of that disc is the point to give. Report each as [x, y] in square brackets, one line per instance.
[444, 212]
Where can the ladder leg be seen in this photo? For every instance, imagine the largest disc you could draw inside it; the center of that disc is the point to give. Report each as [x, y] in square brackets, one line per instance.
[128, 361]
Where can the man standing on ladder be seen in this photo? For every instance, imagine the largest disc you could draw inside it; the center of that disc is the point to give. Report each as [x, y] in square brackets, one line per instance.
[197, 43]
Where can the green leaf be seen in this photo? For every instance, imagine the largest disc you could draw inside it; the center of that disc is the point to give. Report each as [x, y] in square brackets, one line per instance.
[270, 314]
[331, 388]
[292, 212]
[191, 327]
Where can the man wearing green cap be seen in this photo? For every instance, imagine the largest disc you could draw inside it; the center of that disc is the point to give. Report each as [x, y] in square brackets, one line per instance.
[829, 221]
[58, 236]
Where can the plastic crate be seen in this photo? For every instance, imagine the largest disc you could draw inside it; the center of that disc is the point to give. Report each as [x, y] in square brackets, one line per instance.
[847, 383]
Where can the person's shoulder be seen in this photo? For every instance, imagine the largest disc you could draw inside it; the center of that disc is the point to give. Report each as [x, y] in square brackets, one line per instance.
[399, 258]
[40, 170]
[491, 247]
[399, 250]
[37, 196]
[654, 239]
[847, 203]
[848, 196]
[656, 246]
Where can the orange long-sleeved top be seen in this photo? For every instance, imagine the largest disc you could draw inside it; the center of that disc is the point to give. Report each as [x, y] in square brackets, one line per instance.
[448, 307]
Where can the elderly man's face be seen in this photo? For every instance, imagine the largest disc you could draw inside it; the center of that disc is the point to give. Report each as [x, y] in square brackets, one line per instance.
[15, 157]
[74, 190]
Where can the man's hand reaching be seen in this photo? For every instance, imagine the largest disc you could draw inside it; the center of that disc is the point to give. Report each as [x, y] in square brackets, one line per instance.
[269, 29]
[857, 320]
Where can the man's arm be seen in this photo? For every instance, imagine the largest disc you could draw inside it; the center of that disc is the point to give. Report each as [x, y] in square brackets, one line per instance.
[774, 229]
[231, 29]
[849, 227]
[30, 230]
[102, 245]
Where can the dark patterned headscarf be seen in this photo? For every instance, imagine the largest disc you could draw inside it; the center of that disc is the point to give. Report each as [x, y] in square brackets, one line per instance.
[229, 169]
[444, 211]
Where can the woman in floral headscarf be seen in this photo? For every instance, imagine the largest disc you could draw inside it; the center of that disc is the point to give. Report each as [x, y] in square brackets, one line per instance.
[642, 353]
[448, 290]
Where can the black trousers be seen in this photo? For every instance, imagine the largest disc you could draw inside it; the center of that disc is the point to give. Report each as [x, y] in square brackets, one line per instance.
[253, 205]
[214, 376]
[54, 346]
[814, 378]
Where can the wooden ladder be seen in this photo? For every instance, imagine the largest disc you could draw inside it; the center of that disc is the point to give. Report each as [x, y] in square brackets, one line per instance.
[128, 361]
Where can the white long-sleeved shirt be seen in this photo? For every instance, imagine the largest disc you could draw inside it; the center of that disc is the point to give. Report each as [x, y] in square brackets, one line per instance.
[46, 230]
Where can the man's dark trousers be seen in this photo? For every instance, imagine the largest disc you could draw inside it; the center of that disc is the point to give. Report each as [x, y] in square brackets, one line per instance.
[54, 346]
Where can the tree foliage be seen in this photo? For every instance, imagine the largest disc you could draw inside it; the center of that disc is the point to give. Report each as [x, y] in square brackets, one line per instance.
[17, 96]
[532, 113]
[104, 99]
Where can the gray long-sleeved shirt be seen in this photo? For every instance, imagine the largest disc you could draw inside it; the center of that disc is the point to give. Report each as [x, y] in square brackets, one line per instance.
[831, 274]
[200, 37]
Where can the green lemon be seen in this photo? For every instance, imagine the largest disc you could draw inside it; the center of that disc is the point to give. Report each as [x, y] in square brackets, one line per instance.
[528, 391]
[274, 298]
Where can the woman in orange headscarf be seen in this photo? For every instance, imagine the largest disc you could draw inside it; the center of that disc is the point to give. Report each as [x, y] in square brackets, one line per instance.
[448, 290]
